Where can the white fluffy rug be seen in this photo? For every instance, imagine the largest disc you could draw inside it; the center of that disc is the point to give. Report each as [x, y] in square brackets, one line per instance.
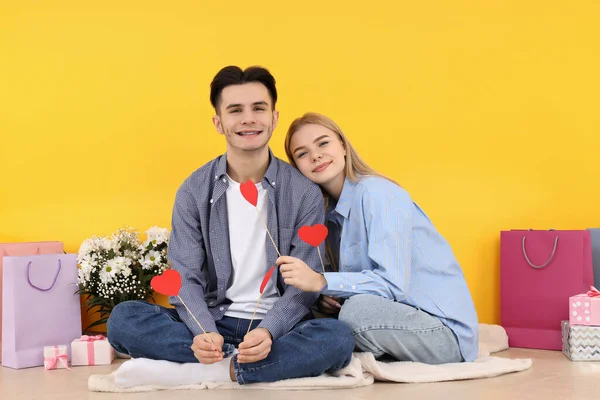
[364, 370]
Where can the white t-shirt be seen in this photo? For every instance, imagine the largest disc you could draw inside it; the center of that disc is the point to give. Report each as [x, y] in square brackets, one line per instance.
[247, 241]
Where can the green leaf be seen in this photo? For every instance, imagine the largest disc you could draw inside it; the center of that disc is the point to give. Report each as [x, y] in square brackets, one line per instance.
[101, 311]
[94, 301]
[101, 321]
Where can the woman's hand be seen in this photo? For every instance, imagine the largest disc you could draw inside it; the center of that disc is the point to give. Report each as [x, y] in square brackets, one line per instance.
[296, 273]
[329, 305]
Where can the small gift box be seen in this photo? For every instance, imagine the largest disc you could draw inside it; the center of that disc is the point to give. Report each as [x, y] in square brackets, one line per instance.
[584, 309]
[581, 343]
[56, 357]
[91, 350]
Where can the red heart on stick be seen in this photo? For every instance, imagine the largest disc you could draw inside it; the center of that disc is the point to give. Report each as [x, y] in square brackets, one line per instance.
[266, 280]
[249, 192]
[313, 235]
[169, 283]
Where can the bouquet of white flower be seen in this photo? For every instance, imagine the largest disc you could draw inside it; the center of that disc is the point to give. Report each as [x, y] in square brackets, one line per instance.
[119, 268]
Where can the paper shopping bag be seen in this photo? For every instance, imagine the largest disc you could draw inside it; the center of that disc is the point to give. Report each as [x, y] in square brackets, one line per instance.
[24, 249]
[539, 271]
[41, 307]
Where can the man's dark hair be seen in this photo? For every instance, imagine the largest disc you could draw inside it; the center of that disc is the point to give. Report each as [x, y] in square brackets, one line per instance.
[233, 75]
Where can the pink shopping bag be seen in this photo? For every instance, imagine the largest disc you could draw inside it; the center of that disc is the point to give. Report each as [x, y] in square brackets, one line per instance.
[41, 307]
[24, 249]
[539, 271]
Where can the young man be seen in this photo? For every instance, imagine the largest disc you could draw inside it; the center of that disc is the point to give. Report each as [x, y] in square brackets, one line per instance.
[220, 246]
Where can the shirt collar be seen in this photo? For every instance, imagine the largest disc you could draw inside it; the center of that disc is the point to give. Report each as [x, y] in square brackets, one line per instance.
[344, 203]
[270, 175]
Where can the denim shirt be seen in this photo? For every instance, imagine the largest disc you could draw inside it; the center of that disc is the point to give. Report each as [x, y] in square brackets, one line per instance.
[388, 247]
[199, 243]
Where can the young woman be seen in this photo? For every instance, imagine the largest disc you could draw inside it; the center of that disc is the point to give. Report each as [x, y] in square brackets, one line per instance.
[404, 294]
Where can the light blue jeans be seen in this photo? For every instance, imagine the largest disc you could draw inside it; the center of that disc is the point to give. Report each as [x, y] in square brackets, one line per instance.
[387, 328]
[312, 347]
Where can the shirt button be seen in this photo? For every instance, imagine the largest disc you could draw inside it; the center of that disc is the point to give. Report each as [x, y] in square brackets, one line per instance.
[216, 176]
[224, 180]
[221, 308]
[341, 286]
[211, 200]
[353, 287]
[273, 183]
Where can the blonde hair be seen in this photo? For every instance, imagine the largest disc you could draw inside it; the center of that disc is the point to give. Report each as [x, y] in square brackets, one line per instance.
[355, 167]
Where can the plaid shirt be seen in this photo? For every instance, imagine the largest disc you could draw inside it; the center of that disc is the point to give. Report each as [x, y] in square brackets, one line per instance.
[199, 243]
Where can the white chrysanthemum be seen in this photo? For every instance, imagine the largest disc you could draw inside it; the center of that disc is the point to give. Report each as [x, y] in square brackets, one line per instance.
[93, 245]
[151, 259]
[126, 271]
[157, 235]
[82, 279]
[109, 267]
[85, 249]
[113, 268]
[105, 275]
[85, 271]
[120, 262]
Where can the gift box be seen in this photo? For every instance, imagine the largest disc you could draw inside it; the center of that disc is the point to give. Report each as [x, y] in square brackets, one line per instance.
[584, 309]
[56, 357]
[91, 350]
[580, 342]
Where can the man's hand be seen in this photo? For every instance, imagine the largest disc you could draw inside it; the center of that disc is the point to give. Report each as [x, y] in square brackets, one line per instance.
[205, 351]
[256, 346]
[329, 305]
[295, 272]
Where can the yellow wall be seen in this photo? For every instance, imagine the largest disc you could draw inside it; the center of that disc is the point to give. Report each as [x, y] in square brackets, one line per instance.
[486, 111]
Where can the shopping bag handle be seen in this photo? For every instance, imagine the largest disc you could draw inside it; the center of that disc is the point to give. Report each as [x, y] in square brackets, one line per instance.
[544, 264]
[53, 283]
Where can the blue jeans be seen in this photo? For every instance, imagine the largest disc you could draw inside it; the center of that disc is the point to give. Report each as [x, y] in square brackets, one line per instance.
[390, 329]
[311, 348]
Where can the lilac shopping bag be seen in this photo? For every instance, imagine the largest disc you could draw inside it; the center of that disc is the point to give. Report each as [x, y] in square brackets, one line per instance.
[24, 249]
[40, 307]
[539, 271]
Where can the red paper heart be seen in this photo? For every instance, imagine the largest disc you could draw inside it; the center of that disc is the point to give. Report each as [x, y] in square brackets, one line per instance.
[249, 192]
[266, 279]
[169, 283]
[313, 235]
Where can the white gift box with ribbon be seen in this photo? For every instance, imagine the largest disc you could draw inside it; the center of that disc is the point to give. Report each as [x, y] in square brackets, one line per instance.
[56, 357]
[91, 350]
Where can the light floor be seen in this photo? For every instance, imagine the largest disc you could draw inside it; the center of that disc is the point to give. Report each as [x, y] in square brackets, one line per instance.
[552, 377]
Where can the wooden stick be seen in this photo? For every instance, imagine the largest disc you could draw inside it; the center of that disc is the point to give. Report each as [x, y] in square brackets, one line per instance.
[320, 258]
[272, 241]
[253, 314]
[186, 307]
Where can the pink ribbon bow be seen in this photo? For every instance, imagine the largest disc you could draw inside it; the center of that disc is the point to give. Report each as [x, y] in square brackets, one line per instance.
[51, 362]
[593, 292]
[90, 346]
[86, 338]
